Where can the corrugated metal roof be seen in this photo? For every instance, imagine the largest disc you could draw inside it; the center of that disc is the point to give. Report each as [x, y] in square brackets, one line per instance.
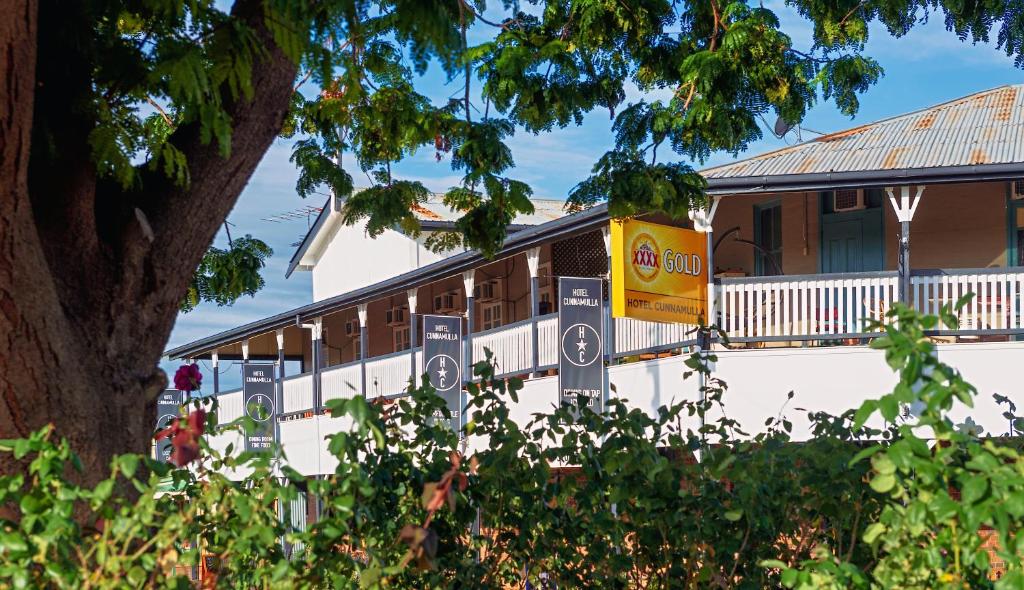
[545, 210]
[980, 129]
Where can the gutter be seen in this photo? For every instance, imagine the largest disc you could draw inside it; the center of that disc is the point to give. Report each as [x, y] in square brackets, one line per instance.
[784, 183]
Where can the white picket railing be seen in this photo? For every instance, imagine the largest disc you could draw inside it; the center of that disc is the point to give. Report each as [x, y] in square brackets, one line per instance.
[511, 347]
[387, 375]
[808, 307]
[229, 406]
[994, 306]
[298, 393]
[547, 340]
[773, 308]
[340, 382]
[633, 336]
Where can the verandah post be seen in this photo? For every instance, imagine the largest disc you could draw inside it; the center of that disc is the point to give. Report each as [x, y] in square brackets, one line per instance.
[279, 402]
[609, 322]
[361, 312]
[702, 221]
[412, 294]
[905, 209]
[469, 283]
[533, 263]
[215, 361]
[318, 355]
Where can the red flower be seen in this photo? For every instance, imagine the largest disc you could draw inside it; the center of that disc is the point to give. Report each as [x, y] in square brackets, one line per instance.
[188, 378]
[185, 436]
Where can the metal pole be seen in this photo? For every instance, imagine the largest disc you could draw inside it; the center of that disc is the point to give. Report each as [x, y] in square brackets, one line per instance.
[318, 353]
[904, 262]
[363, 346]
[215, 359]
[534, 314]
[412, 348]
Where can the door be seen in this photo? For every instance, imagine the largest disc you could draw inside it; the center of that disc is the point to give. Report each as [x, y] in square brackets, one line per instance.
[852, 241]
[843, 246]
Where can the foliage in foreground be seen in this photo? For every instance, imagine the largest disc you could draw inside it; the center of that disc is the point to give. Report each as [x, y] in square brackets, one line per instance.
[411, 506]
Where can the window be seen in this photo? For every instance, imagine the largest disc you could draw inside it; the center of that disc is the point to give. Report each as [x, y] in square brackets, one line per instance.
[356, 348]
[491, 315]
[768, 237]
[400, 338]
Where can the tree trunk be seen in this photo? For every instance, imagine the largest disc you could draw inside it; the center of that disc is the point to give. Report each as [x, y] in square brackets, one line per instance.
[91, 276]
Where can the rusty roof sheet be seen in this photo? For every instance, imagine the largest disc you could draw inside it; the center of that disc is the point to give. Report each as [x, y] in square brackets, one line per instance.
[544, 210]
[983, 128]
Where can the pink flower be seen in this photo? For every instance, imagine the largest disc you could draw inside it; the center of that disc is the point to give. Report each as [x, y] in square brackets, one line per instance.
[188, 378]
[184, 435]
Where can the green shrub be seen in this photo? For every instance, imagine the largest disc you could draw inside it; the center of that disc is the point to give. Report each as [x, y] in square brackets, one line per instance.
[612, 500]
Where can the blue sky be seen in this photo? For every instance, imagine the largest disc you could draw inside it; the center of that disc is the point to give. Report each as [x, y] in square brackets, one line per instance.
[928, 66]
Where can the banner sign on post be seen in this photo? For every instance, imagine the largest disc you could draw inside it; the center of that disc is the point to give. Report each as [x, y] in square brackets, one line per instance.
[658, 272]
[258, 399]
[442, 362]
[581, 342]
[168, 406]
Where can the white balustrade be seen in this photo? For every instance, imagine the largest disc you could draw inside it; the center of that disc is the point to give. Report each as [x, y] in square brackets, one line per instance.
[547, 340]
[340, 382]
[298, 393]
[994, 306]
[633, 336]
[511, 347]
[229, 406]
[387, 375]
[804, 306]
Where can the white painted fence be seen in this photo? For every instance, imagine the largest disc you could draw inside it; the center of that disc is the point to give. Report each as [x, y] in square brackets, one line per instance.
[804, 306]
[547, 340]
[298, 393]
[340, 382]
[996, 301]
[230, 406]
[388, 375]
[633, 336]
[511, 347]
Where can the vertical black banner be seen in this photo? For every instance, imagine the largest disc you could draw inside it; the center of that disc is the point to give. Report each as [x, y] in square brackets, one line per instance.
[168, 405]
[442, 361]
[258, 399]
[581, 342]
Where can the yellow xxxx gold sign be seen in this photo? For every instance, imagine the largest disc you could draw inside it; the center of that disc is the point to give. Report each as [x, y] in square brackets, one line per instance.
[658, 272]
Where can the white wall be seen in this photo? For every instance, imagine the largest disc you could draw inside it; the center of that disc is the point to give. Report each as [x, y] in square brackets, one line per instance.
[351, 259]
[823, 379]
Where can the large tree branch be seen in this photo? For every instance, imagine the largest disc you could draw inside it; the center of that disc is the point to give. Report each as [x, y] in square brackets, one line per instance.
[174, 226]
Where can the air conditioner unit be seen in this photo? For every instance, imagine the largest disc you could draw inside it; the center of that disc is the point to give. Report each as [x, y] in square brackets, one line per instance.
[352, 328]
[848, 199]
[1017, 190]
[488, 291]
[395, 316]
[445, 302]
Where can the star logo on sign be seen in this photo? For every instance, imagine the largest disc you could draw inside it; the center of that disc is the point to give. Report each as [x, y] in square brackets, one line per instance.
[443, 371]
[587, 344]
